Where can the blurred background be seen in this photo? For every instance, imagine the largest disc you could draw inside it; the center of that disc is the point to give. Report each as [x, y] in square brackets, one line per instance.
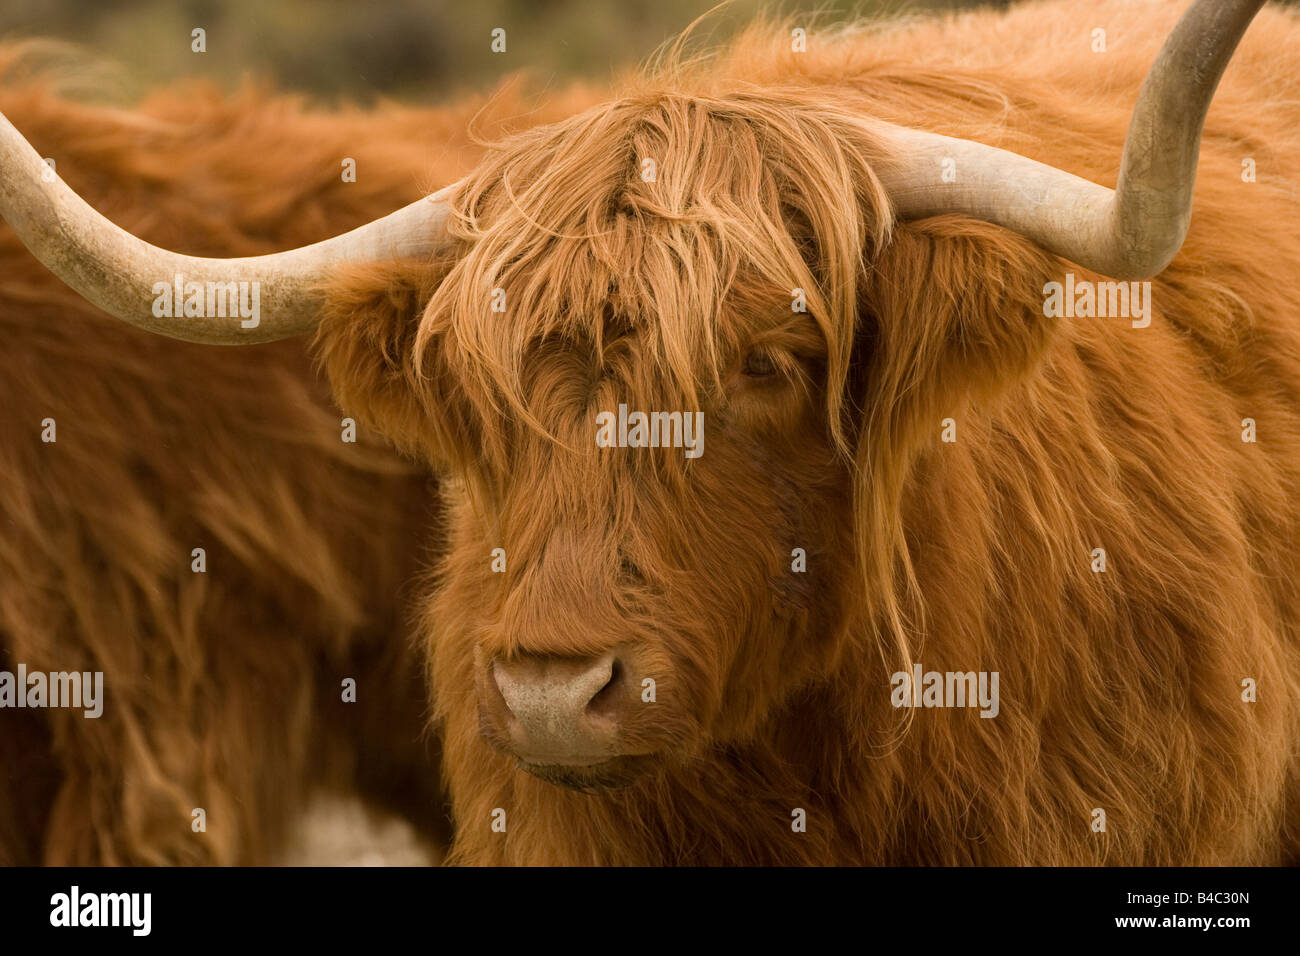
[417, 50]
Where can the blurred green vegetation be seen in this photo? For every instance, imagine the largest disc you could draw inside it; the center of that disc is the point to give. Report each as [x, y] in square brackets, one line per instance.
[417, 50]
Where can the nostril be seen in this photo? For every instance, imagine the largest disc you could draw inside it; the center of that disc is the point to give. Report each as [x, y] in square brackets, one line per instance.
[605, 701]
[552, 690]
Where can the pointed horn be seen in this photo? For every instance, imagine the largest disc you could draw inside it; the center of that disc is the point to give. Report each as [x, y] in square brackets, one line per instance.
[1131, 232]
[118, 271]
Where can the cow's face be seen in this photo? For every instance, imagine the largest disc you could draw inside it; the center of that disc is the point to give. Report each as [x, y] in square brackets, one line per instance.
[611, 603]
[642, 381]
[626, 367]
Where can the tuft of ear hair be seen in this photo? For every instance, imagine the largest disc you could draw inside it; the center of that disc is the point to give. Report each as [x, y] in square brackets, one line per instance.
[952, 312]
[957, 309]
[366, 345]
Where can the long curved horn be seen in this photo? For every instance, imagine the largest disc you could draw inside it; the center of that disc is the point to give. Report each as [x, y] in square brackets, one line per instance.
[1131, 232]
[118, 271]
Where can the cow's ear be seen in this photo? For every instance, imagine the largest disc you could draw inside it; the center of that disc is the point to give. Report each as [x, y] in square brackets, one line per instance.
[951, 313]
[366, 344]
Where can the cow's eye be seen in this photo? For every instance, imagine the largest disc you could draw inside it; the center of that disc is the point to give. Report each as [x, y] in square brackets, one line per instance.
[759, 364]
[629, 571]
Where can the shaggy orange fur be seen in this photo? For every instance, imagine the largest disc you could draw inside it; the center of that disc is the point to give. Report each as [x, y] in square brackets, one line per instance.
[223, 689]
[1120, 691]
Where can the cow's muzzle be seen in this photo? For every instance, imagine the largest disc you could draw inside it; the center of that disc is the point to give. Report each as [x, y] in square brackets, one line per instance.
[560, 717]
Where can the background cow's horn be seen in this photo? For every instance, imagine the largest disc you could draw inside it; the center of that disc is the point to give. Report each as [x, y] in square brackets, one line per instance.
[1131, 232]
[118, 271]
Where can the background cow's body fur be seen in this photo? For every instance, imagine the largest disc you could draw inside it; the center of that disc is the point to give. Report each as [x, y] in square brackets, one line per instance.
[1119, 691]
[224, 688]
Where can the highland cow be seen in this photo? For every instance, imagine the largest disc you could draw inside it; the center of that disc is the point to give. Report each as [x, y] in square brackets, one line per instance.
[958, 577]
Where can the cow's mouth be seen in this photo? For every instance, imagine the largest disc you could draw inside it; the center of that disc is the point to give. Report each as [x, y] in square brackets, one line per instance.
[611, 774]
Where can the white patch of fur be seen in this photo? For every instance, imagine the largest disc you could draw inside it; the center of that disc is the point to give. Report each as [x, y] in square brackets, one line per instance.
[341, 830]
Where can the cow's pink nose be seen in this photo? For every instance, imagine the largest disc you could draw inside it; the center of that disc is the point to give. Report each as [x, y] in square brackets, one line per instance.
[560, 710]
